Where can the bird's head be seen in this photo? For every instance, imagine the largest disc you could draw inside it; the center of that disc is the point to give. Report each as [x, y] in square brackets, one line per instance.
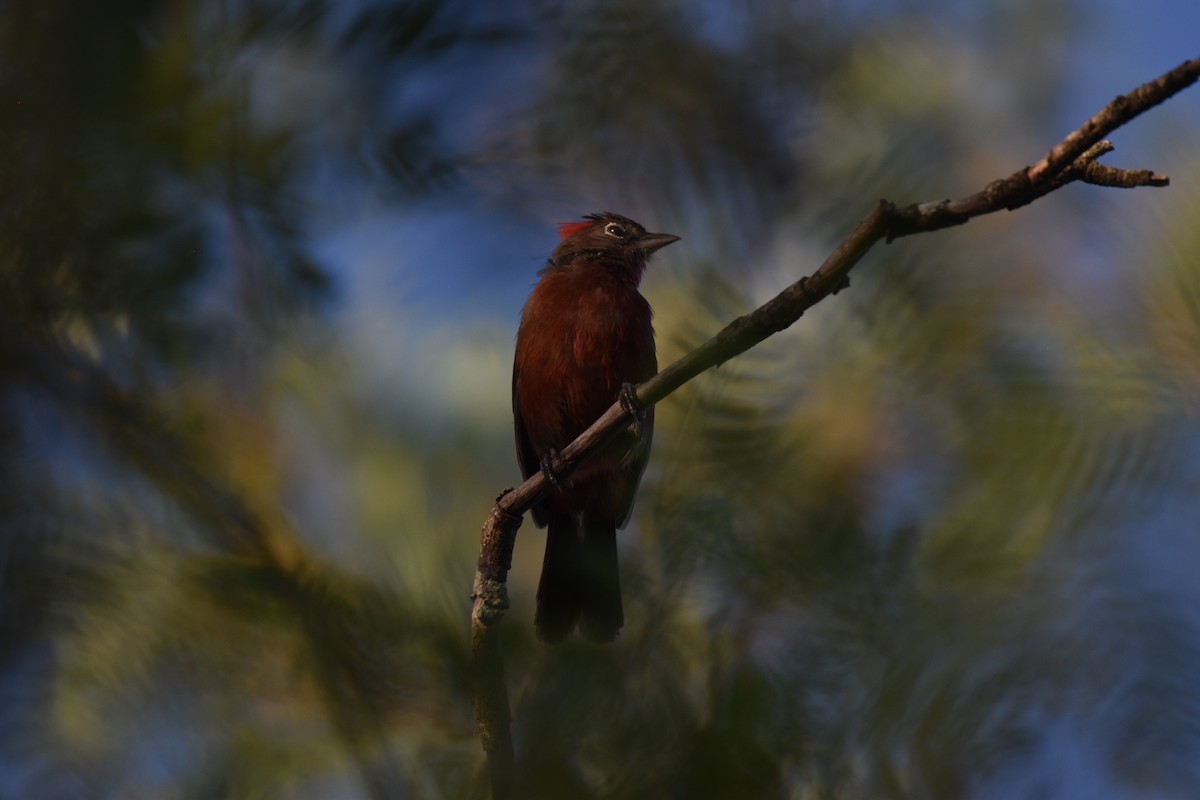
[608, 240]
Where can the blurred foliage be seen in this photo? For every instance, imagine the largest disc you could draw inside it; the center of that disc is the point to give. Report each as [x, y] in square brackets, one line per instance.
[935, 541]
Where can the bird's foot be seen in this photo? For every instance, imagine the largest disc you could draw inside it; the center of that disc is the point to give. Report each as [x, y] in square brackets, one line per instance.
[547, 467]
[627, 397]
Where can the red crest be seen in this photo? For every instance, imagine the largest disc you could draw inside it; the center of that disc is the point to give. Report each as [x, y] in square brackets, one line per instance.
[568, 229]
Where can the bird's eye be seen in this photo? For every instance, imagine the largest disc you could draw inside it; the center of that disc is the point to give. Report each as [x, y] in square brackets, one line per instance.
[614, 230]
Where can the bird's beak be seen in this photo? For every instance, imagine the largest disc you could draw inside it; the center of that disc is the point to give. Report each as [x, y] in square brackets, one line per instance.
[649, 242]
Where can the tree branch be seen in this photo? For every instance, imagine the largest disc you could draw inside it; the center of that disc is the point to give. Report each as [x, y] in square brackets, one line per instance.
[1072, 159]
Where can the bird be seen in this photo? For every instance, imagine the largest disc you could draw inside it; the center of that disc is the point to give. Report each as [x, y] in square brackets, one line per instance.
[585, 338]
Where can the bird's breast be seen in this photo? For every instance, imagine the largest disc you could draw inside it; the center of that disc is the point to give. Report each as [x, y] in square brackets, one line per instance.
[578, 342]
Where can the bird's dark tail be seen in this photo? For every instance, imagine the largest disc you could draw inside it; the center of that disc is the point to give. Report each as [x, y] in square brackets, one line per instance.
[558, 590]
[579, 580]
[600, 596]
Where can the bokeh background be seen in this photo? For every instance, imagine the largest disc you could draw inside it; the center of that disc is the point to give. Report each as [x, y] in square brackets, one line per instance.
[261, 268]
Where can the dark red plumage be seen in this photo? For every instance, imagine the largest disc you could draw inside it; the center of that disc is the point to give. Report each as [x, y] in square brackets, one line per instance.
[585, 331]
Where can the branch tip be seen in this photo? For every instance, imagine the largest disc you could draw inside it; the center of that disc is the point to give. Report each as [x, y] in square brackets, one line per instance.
[1117, 178]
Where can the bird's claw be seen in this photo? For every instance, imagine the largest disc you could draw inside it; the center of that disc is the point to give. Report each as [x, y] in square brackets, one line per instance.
[627, 397]
[546, 465]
